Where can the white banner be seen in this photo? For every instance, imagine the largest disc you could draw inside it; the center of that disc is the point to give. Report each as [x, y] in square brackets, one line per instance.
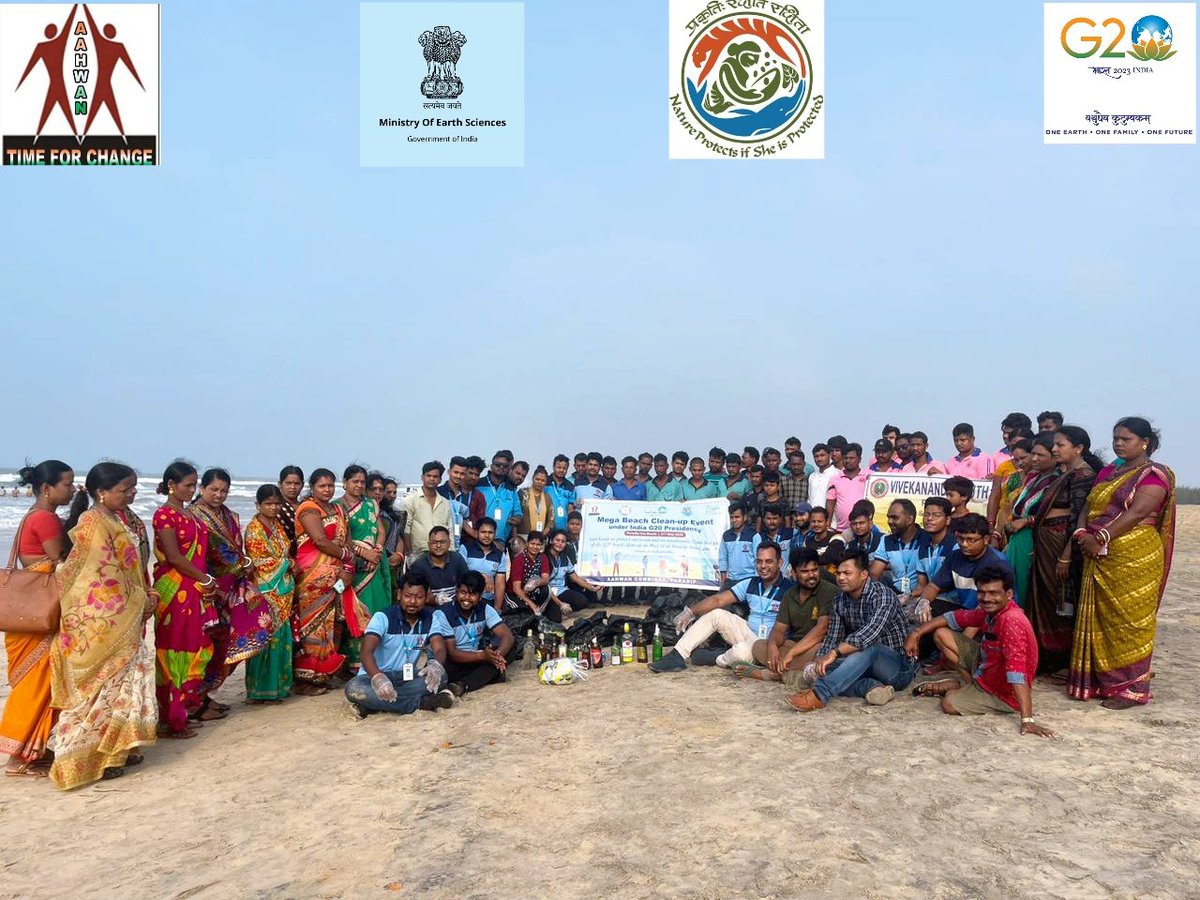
[884, 488]
[664, 544]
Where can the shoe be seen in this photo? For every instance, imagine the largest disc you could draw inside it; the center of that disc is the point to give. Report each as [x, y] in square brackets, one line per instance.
[429, 703]
[360, 712]
[671, 662]
[444, 699]
[705, 657]
[805, 702]
[878, 696]
[456, 689]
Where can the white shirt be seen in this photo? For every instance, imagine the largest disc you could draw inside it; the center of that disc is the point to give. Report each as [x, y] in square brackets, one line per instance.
[818, 484]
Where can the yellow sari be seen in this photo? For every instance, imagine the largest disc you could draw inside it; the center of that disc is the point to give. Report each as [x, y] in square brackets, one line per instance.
[102, 665]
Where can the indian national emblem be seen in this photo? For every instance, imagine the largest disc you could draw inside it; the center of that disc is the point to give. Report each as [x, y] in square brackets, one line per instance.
[442, 50]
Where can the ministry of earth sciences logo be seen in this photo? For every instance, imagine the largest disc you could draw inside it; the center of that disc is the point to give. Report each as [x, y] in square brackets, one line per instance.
[747, 77]
[442, 50]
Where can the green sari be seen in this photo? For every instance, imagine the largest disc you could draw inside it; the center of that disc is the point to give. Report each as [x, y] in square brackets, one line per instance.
[1019, 550]
[269, 673]
[373, 587]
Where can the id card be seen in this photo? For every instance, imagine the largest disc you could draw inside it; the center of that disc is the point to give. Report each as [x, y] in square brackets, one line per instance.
[339, 585]
[408, 671]
[762, 631]
[498, 515]
[562, 511]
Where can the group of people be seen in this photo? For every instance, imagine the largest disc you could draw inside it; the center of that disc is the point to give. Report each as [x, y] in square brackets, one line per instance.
[404, 599]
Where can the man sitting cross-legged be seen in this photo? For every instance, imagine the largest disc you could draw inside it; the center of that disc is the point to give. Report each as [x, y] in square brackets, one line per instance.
[863, 652]
[472, 662]
[800, 628]
[763, 593]
[403, 661]
[995, 675]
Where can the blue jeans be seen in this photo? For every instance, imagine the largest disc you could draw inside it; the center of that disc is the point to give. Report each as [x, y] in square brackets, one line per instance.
[854, 675]
[408, 693]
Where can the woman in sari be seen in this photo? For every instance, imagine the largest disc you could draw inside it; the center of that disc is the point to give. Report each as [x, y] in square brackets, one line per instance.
[38, 543]
[376, 488]
[1054, 584]
[291, 483]
[1019, 529]
[245, 615]
[1126, 534]
[536, 506]
[269, 674]
[185, 612]
[1007, 481]
[102, 664]
[371, 580]
[324, 592]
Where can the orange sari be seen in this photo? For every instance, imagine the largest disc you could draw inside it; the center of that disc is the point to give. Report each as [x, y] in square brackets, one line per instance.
[28, 716]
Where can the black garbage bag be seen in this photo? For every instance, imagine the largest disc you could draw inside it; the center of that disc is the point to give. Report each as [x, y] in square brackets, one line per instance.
[582, 630]
[615, 627]
[521, 621]
[662, 612]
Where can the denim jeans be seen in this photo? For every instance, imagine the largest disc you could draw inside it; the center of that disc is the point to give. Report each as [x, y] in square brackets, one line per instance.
[408, 693]
[854, 675]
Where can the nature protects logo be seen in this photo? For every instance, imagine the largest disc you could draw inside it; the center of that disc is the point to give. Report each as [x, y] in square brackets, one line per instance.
[746, 80]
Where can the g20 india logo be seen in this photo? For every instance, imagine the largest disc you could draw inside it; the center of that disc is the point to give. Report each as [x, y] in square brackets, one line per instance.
[1151, 36]
[747, 77]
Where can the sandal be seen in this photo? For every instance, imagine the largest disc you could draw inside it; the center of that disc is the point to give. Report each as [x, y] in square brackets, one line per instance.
[112, 772]
[39, 768]
[165, 732]
[134, 759]
[934, 688]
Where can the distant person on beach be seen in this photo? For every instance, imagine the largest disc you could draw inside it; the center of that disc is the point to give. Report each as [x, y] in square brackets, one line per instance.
[863, 653]
[403, 660]
[478, 643]
[995, 675]
[1050, 420]
[762, 593]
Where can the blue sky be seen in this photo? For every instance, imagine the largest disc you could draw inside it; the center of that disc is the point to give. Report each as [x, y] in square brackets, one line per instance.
[259, 299]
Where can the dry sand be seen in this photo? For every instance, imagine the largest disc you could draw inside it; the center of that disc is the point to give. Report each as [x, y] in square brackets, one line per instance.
[690, 785]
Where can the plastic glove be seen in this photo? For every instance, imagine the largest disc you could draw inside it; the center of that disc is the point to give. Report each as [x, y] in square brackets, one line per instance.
[810, 673]
[434, 673]
[684, 619]
[923, 611]
[383, 687]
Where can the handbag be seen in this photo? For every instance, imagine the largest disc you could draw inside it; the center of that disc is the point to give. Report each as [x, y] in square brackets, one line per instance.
[28, 600]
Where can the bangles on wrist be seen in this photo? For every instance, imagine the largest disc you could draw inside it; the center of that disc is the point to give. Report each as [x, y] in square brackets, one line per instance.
[208, 582]
[1078, 533]
[1103, 536]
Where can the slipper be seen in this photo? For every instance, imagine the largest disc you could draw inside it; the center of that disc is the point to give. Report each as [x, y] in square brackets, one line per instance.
[134, 759]
[30, 770]
[112, 772]
[184, 735]
[930, 688]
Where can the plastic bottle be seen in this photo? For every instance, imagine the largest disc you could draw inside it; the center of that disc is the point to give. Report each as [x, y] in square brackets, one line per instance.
[626, 647]
[658, 648]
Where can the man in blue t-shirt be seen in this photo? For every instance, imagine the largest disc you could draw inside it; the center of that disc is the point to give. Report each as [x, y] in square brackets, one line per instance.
[489, 559]
[953, 587]
[561, 490]
[762, 593]
[896, 558]
[595, 486]
[735, 558]
[478, 643]
[403, 661]
[500, 497]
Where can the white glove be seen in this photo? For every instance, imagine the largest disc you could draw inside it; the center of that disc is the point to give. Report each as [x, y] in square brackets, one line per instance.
[923, 611]
[383, 687]
[434, 673]
[684, 619]
[810, 673]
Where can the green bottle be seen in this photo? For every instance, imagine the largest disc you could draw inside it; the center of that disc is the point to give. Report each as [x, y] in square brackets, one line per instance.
[657, 644]
[626, 647]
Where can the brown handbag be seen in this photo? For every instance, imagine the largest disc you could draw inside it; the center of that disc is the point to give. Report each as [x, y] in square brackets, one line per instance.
[28, 600]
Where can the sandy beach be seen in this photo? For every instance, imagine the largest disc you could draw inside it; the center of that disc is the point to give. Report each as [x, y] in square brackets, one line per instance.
[632, 784]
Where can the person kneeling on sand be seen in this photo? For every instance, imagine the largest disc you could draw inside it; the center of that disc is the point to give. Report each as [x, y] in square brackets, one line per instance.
[397, 641]
[763, 593]
[863, 652]
[995, 675]
[799, 630]
[471, 660]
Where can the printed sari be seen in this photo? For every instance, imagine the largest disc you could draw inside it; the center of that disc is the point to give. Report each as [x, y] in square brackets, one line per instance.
[245, 616]
[269, 674]
[1019, 549]
[373, 587]
[102, 664]
[1051, 601]
[322, 598]
[1121, 591]
[183, 619]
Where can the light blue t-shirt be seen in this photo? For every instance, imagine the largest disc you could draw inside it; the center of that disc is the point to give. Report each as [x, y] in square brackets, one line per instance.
[466, 628]
[399, 641]
[764, 602]
[736, 555]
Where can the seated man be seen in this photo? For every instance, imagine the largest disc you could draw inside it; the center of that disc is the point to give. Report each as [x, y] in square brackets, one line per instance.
[472, 662]
[863, 652]
[799, 630]
[953, 587]
[485, 556]
[828, 543]
[440, 567]
[863, 536]
[764, 593]
[397, 641]
[894, 561]
[997, 676]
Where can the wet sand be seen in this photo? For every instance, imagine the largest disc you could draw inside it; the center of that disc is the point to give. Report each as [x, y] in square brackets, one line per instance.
[692, 785]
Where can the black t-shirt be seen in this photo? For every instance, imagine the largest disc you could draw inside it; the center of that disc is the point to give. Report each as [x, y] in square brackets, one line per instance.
[443, 582]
